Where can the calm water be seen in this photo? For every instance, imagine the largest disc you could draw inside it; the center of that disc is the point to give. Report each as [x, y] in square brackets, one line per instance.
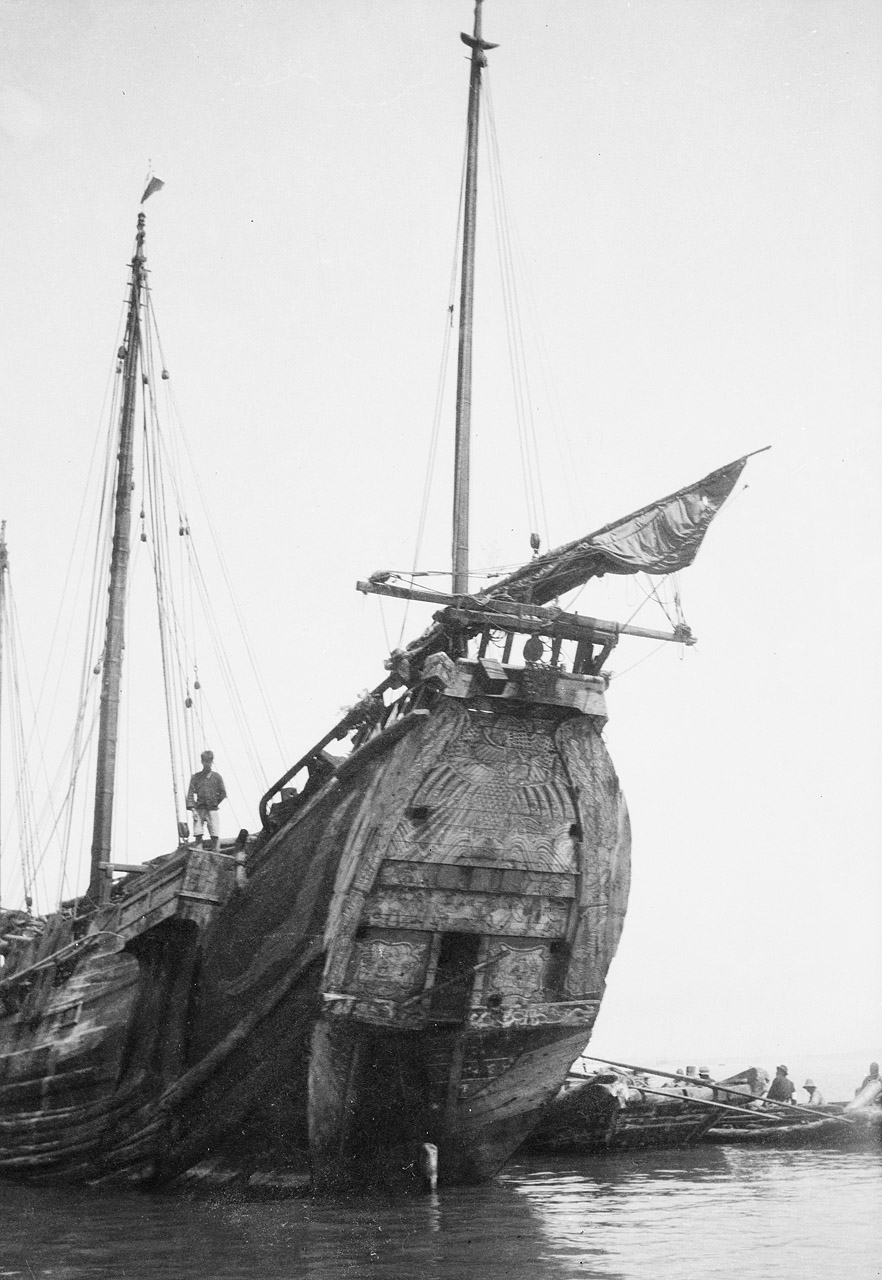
[713, 1212]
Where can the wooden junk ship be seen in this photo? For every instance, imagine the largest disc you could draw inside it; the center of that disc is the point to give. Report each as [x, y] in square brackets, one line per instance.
[413, 949]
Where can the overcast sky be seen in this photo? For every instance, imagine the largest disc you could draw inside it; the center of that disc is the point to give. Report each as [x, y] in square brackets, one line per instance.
[695, 186]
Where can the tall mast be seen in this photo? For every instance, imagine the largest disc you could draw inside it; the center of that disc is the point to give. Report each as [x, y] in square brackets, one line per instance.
[466, 308]
[99, 884]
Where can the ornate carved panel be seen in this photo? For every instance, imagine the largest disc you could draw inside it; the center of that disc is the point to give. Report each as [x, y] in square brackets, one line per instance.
[485, 795]
[518, 973]
[498, 797]
[388, 967]
[572, 1013]
[479, 879]
[450, 911]
[381, 808]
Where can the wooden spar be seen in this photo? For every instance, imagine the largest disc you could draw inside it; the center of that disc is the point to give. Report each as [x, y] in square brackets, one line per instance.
[715, 1106]
[378, 588]
[466, 311]
[710, 1084]
[569, 626]
[523, 617]
[99, 881]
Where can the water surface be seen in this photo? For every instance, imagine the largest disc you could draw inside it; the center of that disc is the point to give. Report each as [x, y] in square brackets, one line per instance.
[711, 1212]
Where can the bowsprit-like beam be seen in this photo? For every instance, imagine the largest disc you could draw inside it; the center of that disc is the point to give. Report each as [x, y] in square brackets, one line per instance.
[526, 618]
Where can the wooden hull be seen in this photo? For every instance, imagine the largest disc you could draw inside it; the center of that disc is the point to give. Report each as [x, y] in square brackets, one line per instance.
[417, 955]
[375, 1092]
[464, 885]
[589, 1118]
[855, 1129]
[94, 1025]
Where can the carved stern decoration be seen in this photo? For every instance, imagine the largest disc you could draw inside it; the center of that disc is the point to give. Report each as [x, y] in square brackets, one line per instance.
[478, 902]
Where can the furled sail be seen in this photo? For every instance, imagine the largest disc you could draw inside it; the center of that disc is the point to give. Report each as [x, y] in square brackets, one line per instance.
[660, 538]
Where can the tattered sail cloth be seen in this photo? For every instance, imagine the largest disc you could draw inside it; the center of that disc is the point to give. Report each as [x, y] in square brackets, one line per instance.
[660, 538]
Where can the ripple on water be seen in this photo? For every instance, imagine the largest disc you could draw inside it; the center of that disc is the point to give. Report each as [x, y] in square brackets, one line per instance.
[714, 1212]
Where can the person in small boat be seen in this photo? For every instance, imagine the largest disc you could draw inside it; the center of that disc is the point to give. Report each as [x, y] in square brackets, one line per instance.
[707, 1090]
[755, 1081]
[782, 1087]
[690, 1085]
[872, 1078]
[815, 1097]
[204, 795]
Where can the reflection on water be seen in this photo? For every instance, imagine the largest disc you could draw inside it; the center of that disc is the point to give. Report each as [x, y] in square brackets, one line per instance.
[736, 1211]
[778, 1215]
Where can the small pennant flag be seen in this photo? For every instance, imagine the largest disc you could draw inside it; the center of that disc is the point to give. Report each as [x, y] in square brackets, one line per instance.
[155, 184]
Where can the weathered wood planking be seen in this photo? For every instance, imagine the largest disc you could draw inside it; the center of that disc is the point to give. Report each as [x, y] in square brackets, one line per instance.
[589, 1117]
[94, 1024]
[418, 955]
[393, 860]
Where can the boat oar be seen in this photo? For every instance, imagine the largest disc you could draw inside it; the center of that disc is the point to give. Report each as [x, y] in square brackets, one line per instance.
[720, 1106]
[736, 1093]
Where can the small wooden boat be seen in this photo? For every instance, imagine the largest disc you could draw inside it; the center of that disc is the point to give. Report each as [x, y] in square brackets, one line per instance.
[853, 1123]
[833, 1126]
[608, 1111]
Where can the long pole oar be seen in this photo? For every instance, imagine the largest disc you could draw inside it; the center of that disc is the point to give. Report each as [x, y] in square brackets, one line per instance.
[723, 1106]
[737, 1093]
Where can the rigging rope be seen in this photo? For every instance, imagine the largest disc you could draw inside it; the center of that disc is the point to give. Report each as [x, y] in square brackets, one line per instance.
[523, 399]
[534, 496]
[22, 812]
[245, 730]
[558, 434]
[440, 387]
[185, 715]
[155, 500]
[617, 675]
[91, 666]
[71, 591]
[188, 710]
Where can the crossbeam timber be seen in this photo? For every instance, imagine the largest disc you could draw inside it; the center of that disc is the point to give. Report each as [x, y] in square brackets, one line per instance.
[527, 618]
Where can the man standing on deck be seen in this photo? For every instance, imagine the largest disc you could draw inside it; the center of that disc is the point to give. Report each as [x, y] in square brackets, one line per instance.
[781, 1089]
[204, 794]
